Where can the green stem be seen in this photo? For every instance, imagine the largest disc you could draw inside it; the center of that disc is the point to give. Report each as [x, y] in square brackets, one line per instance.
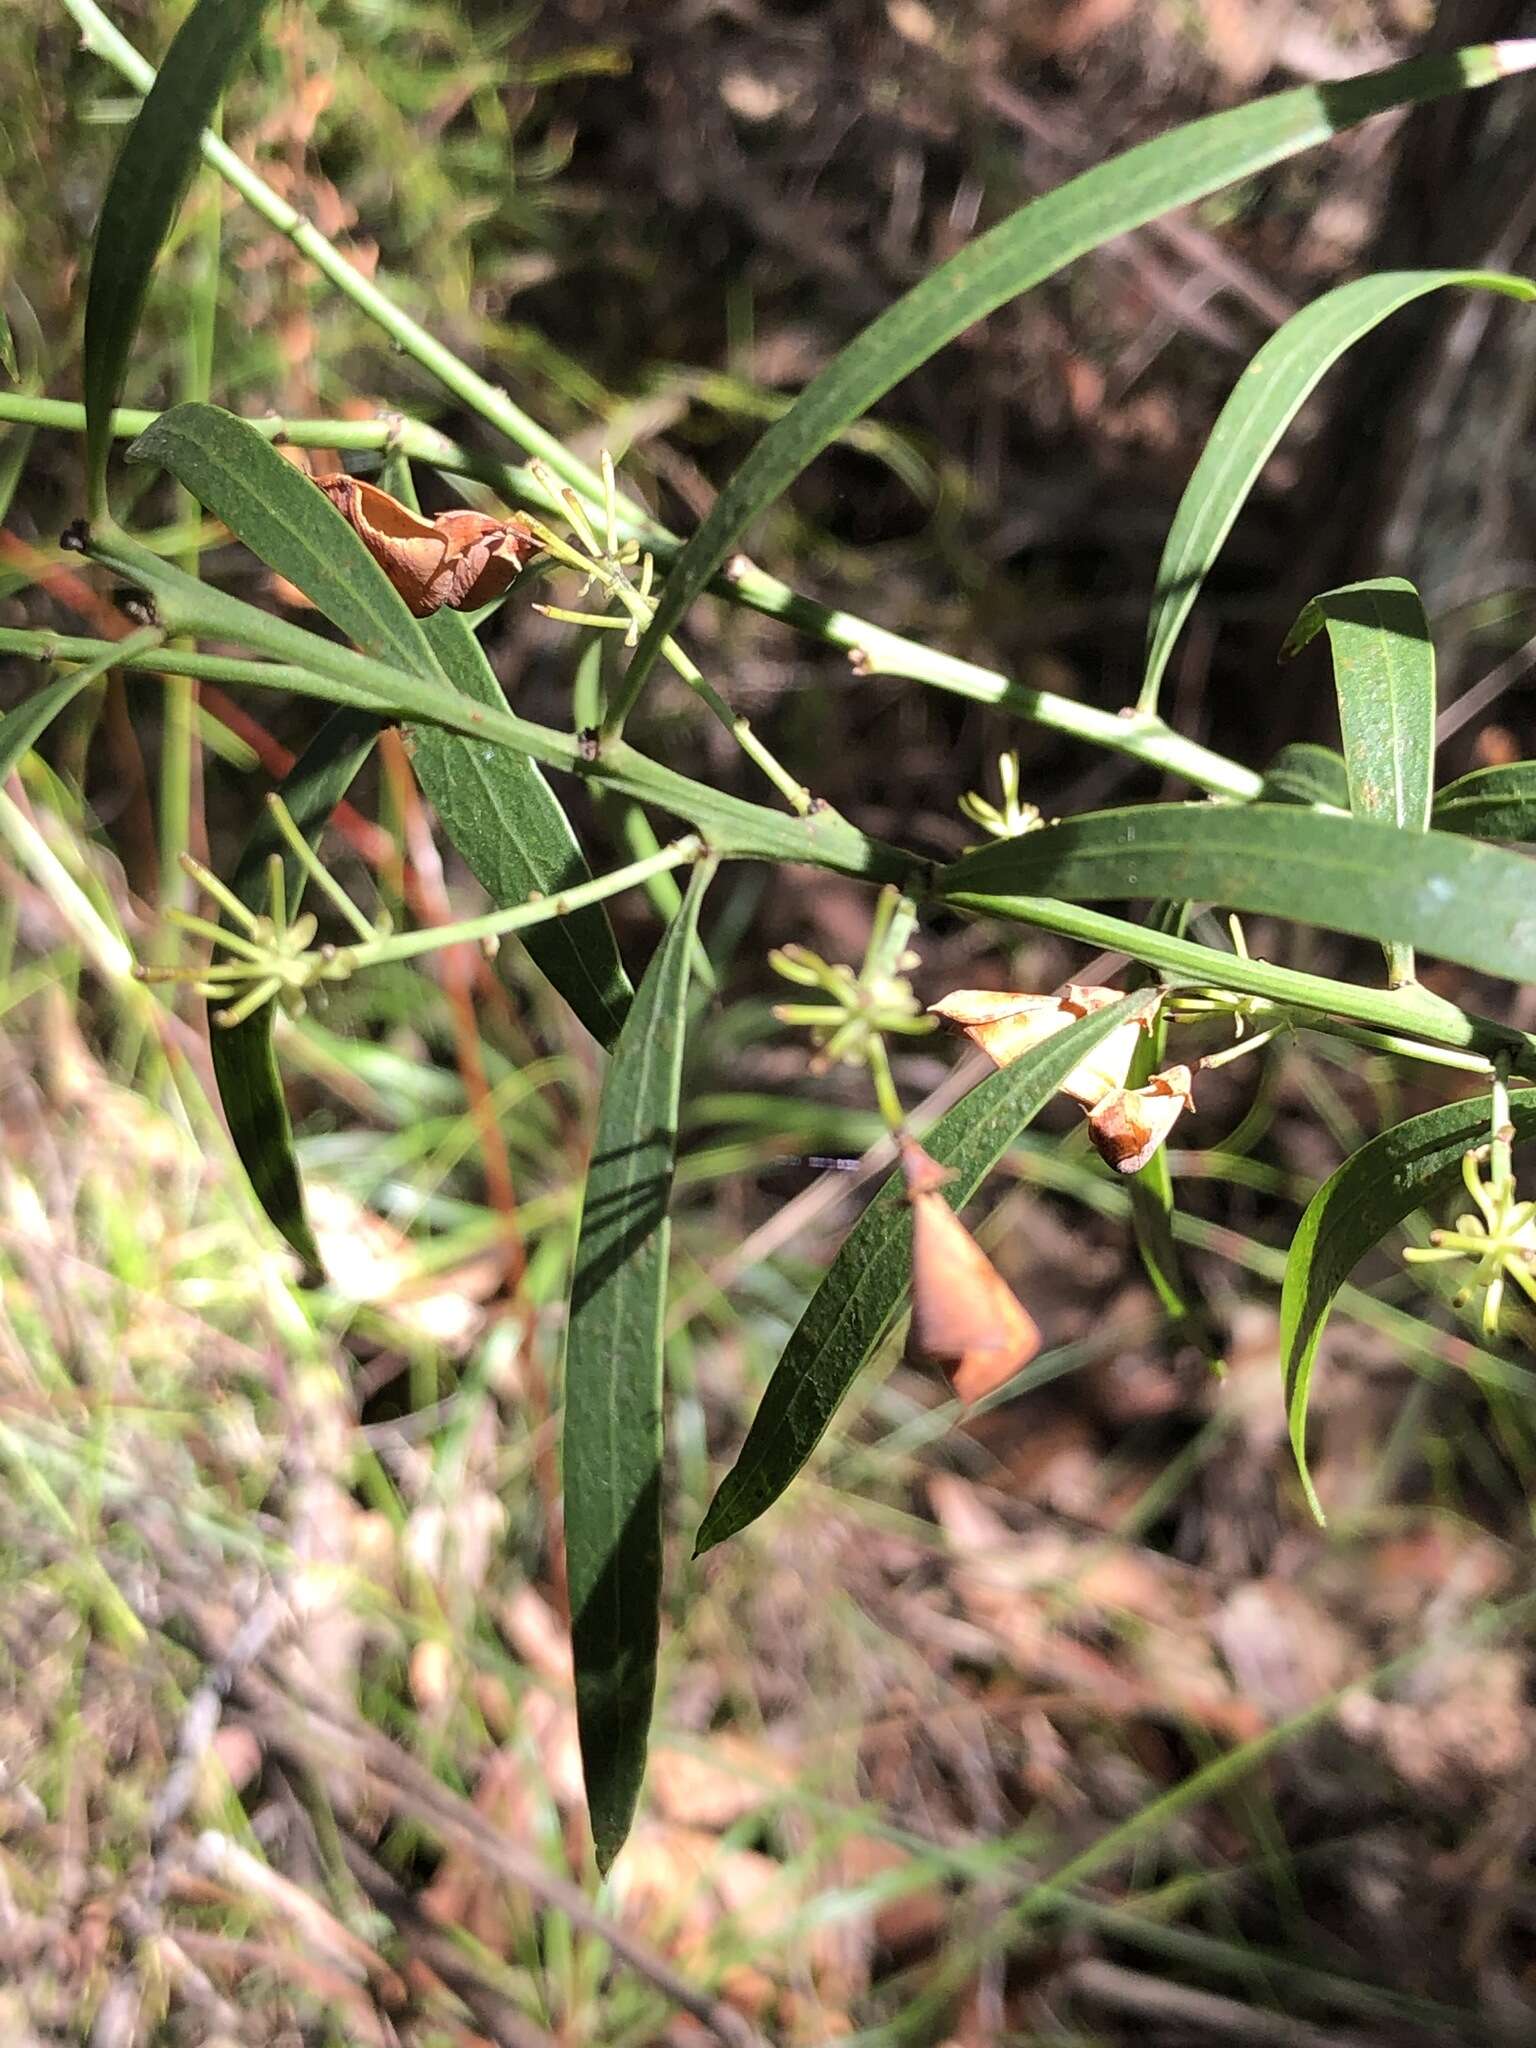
[1411, 1012]
[540, 910]
[875, 650]
[639, 607]
[179, 763]
[886, 1093]
[734, 828]
[493, 405]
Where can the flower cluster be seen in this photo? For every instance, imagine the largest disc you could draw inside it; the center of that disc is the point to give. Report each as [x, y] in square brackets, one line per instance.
[1499, 1235]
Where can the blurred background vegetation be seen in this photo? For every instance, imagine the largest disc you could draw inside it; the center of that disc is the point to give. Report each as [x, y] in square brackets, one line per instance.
[1020, 1731]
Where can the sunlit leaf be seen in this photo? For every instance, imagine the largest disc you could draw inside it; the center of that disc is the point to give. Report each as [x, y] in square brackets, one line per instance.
[868, 1283]
[1022, 251]
[613, 1387]
[1384, 675]
[149, 181]
[1404, 1168]
[290, 525]
[1267, 397]
[1490, 803]
[511, 830]
[1453, 897]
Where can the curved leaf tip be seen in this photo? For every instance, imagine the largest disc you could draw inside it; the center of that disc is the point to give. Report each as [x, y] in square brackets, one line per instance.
[1396, 1172]
[149, 181]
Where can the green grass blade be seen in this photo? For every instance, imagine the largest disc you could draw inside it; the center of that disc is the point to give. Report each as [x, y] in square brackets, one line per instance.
[1021, 252]
[1268, 396]
[1387, 1179]
[1490, 803]
[292, 527]
[244, 1063]
[613, 1387]
[149, 181]
[866, 1286]
[1384, 675]
[21, 728]
[1453, 897]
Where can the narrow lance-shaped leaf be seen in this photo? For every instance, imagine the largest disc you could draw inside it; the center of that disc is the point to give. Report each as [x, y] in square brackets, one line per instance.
[291, 526]
[1384, 674]
[1387, 1179]
[868, 1283]
[613, 1387]
[149, 180]
[510, 828]
[1490, 803]
[1305, 773]
[244, 1063]
[1456, 898]
[1028, 247]
[318, 667]
[1267, 397]
[21, 728]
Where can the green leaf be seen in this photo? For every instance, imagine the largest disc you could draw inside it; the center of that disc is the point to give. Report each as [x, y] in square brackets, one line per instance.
[244, 1063]
[292, 527]
[508, 825]
[1305, 773]
[1268, 396]
[8, 361]
[1387, 1179]
[1490, 803]
[1457, 899]
[149, 181]
[866, 1286]
[1384, 670]
[613, 1387]
[515, 838]
[21, 728]
[1384, 674]
[1022, 251]
[306, 662]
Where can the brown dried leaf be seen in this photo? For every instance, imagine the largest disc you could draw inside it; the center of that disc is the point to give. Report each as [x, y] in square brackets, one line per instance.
[1129, 1125]
[717, 1788]
[1006, 1025]
[459, 559]
[966, 1319]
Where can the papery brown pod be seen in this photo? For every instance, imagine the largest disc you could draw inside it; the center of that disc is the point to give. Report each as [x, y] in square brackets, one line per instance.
[1128, 1126]
[459, 559]
[1007, 1025]
[966, 1319]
